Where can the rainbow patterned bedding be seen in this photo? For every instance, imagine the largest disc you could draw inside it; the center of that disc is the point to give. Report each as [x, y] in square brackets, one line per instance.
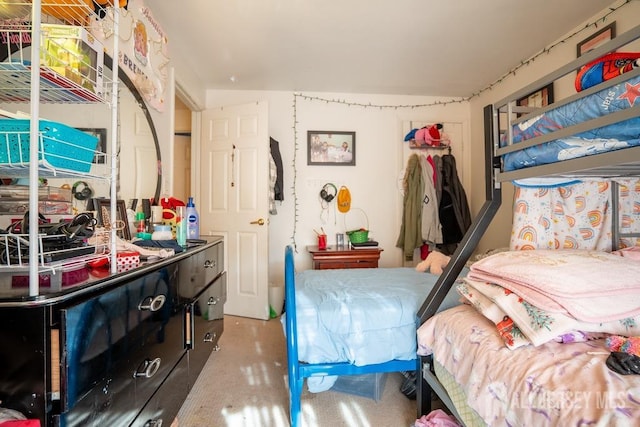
[573, 214]
[616, 136]
[550, 385]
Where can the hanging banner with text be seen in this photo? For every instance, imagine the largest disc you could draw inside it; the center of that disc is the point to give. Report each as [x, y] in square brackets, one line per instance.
[143, 51]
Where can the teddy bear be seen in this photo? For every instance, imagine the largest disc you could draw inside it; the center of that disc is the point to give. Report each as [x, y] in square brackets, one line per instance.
[434, 263]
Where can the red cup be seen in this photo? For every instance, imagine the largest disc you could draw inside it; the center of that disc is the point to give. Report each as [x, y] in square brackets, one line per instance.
[322, 241]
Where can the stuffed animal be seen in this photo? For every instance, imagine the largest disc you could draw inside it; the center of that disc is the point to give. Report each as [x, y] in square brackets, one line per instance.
[435, 263]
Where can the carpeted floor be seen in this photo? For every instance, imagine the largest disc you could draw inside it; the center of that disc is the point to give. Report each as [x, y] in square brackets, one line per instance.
[244, 385]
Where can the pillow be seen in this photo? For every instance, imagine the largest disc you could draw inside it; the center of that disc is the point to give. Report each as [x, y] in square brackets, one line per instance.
[606, 67]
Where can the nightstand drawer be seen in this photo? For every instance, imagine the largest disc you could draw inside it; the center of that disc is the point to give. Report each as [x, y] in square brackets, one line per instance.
[333, 258]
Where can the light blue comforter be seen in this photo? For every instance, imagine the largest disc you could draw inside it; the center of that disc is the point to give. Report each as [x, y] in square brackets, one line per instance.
[363, 316]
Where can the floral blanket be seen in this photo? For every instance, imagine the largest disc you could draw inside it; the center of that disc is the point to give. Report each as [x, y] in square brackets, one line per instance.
[520, 323]
[504, 298]
[549, 385]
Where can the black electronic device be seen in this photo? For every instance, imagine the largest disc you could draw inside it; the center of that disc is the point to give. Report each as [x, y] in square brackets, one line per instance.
[328, 192]
[146, 208]
[81, 190]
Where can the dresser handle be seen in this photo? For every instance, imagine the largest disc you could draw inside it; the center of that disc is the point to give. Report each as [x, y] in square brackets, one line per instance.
[209, 264]
[213, 300]
[153, 423]
[147, 368]
[209, 337]
[152, 303]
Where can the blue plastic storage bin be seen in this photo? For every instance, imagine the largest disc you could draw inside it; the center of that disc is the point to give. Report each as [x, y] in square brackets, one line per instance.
[60, 146]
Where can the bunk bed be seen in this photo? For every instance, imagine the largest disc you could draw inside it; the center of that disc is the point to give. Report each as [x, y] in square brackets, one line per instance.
[565, 384]
[350, 322]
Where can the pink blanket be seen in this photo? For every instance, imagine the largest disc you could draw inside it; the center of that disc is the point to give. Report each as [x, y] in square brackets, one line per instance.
[520, 323]
[591, 286]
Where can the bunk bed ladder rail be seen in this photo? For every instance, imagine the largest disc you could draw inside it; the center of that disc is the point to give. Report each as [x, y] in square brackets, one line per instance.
[493, 199]
[616, 234]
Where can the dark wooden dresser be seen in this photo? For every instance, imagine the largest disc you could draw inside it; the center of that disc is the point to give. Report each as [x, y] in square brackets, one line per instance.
[123, 349]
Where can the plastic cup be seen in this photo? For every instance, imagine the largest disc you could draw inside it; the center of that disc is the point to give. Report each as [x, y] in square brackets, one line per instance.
[181, 225]
[322, 241]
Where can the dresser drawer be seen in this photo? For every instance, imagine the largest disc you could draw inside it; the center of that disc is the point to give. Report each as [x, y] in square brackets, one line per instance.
[207, 319]
[24, 360]
[198, 271]
[332, 258]
[120, 346]
[165, 404]
[211, 261]
[364, 263]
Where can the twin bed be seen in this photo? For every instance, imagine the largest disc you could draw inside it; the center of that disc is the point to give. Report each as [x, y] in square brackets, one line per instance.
[349, 322]
[525, 349]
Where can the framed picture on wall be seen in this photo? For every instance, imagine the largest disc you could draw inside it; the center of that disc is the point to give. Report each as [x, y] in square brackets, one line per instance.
[103, 212]
[331, 148]
[598, 39]
[540, 98]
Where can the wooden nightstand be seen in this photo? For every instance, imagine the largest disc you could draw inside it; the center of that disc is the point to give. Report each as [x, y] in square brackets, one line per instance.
[345, 257]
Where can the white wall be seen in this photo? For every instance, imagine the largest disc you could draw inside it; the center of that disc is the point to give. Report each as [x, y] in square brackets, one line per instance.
[372, 182]
[499, 231]
[379, 134]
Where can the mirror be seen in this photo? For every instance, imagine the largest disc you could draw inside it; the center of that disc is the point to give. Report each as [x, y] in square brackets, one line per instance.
[140, 174]
[139, 150]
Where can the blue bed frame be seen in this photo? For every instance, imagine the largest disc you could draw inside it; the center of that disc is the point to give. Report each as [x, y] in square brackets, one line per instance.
[297, 370]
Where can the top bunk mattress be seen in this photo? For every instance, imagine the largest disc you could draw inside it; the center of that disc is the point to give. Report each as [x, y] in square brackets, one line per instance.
[615, 136]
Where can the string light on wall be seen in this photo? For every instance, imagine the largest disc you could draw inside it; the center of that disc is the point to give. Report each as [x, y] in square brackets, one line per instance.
[548, 49]
[379, 106]
[438, 103]
[295, 173]
[296, 144]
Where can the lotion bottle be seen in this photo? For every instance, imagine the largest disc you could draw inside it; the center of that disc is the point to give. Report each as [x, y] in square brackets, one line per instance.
[193, 221]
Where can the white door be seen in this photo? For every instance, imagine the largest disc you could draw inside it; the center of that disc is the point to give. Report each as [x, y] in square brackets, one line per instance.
[181, 166]
[234, 183]
[137, 156]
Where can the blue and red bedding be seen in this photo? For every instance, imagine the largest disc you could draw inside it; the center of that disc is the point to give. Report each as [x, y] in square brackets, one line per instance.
[616, 136]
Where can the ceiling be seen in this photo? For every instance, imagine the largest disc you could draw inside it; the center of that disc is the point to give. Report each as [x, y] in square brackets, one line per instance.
[407, 47]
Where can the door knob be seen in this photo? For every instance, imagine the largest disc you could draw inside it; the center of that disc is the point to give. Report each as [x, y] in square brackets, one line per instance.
[259, 222]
